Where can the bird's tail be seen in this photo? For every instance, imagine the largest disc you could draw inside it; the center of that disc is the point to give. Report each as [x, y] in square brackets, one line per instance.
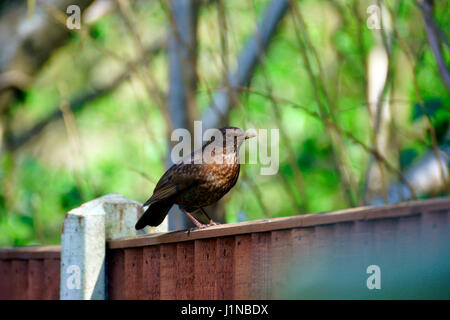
[154, 215]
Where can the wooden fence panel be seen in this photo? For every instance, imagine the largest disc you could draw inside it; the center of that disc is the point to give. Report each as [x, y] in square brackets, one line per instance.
[185, 270]
[30, 273]
[257, 259]
[151, 277]
[249, 260]
[242, 263]
[168, 271]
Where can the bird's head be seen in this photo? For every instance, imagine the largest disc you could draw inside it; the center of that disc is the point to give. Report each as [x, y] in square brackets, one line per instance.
[234, 136]
[235, 133]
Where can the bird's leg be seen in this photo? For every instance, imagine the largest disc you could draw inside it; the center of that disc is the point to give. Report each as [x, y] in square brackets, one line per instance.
[197, 223]
[211, 222]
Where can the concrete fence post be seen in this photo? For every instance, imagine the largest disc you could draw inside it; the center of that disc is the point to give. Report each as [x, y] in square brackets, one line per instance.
[83, 243]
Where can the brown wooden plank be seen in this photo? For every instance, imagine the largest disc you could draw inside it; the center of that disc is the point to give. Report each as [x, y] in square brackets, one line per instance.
[408, 235]
[51, 279]
[133, 273]
[30, 252]
[343, 242]
[363, 242]
[410, 226]
[242, 282]
[185, 270]
[36, 274]
[435, 234]
[302, 239]
[302, 254]
[342, 236]
[281, 262]
[20, 279]
[151, 273]
[6, 278]
[115, 266]
[386, 235]
[224, 268]
[205, 278]
[261, 265]
[353, 214]
[325, 235]
[168, 271]
[435, 222]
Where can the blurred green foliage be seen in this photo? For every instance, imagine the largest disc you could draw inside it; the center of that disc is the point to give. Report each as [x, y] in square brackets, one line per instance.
[121, 135]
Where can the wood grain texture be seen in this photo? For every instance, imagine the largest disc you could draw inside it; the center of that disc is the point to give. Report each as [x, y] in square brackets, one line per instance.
[435, 234]
[280, 261]
[205, 269]
[20, 279]
[302, 239]
[185, 270]
[261, 272]
[224, 268]
[408, 235]
[151, 279]
[36, 274]
[51, 279]
[168, 271]
[385, 231]
[363, 242]
[115, 274]
[342, 244]
[6, 280]
[242, 280]
[133, 273]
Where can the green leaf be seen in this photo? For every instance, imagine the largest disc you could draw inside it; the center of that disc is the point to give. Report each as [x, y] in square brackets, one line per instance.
[431, 107]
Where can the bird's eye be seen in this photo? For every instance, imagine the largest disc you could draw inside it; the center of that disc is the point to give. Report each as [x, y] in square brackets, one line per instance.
[213, 138]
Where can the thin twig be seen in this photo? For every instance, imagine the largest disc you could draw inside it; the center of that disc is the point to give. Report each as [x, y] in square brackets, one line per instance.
[339, 153]
[348, 134]
[431, 130]
[298, 177]
[149, 80]
[78, 102]
[432, 30]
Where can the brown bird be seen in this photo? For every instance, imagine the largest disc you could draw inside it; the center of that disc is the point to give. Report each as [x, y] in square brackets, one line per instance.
[193, 185]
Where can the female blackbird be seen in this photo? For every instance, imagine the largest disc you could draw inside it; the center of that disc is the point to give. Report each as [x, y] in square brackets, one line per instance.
[199, 180]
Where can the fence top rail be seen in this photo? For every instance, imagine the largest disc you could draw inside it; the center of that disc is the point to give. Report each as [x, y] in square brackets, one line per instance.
[30, 252]
[408, 208]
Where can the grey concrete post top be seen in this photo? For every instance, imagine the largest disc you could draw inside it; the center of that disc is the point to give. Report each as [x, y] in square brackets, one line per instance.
[120, 213]
[83, 243]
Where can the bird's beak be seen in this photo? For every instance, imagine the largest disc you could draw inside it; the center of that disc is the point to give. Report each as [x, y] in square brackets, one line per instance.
[248, 135]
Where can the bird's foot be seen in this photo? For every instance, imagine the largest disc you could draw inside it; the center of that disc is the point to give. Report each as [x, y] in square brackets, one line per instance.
[203, 226]
[212, 223]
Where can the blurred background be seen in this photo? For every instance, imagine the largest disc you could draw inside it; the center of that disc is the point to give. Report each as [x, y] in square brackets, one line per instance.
[359, 91]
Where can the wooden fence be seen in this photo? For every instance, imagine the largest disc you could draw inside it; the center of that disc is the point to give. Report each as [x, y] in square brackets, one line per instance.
[248, 260]
[30, 273]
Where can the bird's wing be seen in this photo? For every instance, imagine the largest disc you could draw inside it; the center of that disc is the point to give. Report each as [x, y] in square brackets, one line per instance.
[178, 178]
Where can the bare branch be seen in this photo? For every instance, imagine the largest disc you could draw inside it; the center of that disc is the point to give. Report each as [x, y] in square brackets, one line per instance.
[426, 7]
[247, 61]
[430, 128]
[342, 132]
[181, 103]
[77, 103]
[425, 177]
[339, 152]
